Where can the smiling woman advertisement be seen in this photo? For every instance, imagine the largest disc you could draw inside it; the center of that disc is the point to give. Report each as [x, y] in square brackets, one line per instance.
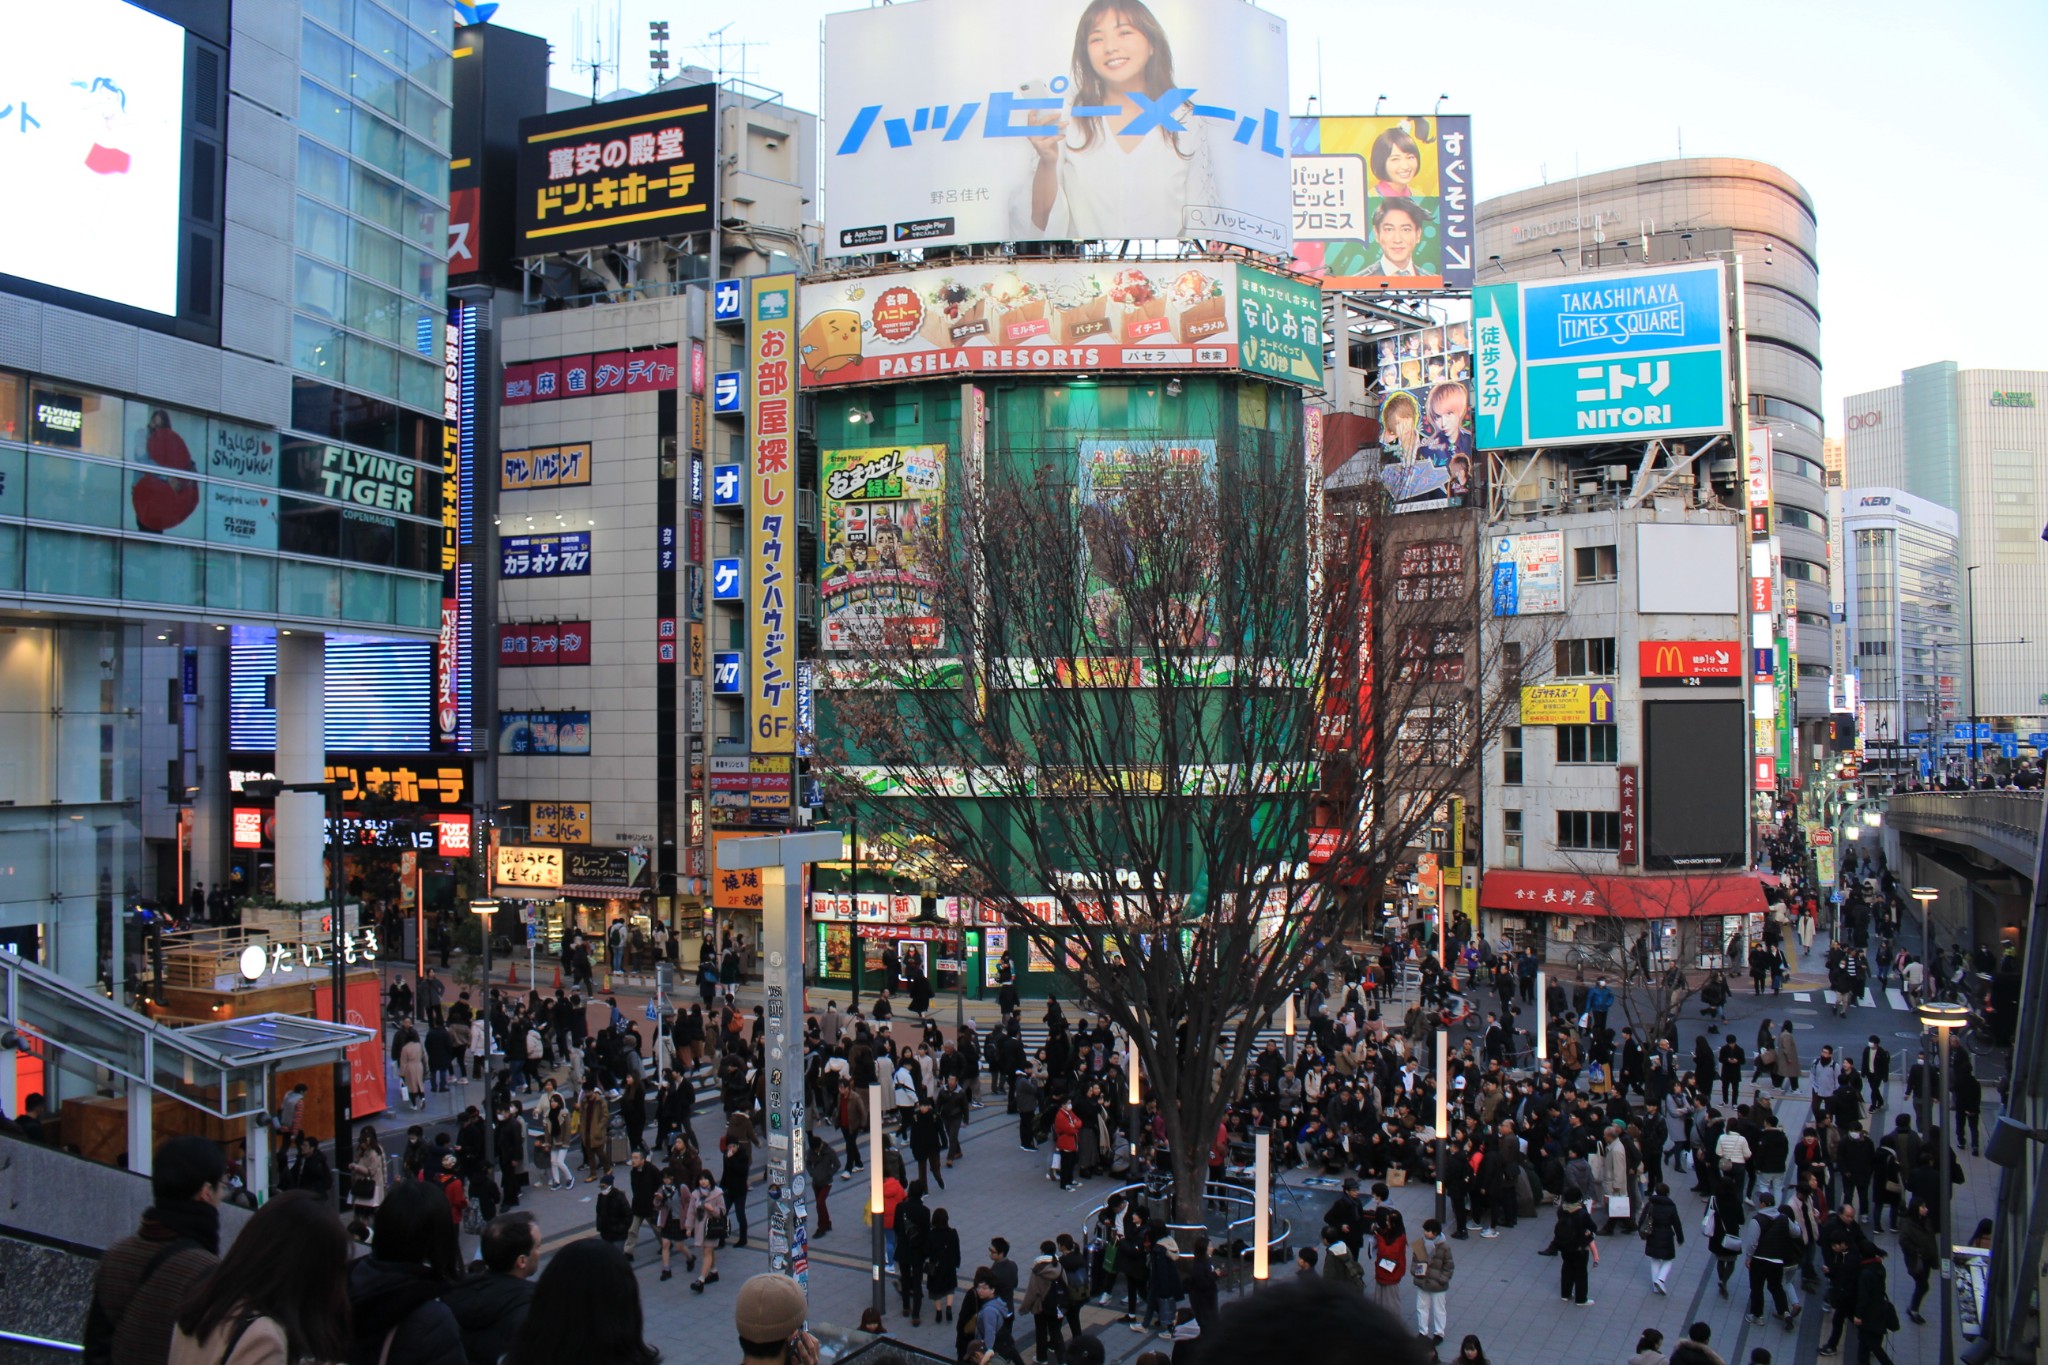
[1150, 119]
[1091, 181]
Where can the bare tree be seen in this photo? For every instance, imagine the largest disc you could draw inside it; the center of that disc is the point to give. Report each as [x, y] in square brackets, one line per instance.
[1655, 947]
[1139, 679]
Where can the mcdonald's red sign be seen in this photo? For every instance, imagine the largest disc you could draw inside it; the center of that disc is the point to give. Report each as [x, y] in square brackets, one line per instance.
[1689, 658]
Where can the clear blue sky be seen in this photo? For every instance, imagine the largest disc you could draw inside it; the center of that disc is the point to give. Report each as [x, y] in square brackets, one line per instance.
[1917, 129]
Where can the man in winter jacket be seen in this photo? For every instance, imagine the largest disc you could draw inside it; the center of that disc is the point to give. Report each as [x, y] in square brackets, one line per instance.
[142, 1280]
[614, 1212]
[1432, 1266]
[490, 1306]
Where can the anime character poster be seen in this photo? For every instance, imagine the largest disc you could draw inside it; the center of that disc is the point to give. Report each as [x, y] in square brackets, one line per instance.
[882, 509]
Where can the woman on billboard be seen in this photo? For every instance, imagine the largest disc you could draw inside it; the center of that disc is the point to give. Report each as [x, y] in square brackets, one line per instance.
[1090, 181]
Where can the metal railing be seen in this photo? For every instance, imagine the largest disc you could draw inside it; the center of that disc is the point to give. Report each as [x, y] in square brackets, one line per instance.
[2006, 825]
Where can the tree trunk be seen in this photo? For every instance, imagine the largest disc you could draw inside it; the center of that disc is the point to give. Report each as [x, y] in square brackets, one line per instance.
[1190, 1172]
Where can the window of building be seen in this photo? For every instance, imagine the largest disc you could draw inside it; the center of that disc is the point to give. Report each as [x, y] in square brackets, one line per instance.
[2015, 525]
[1593, 830]
[1805, 570]
[1511, 838]
[1593, 657]
[1587, 744]
[1511, 755]
[1511, 663]
[1595, 564]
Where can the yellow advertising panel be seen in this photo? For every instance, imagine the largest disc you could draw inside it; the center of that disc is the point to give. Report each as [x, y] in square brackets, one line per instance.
[1568, 704]
[771, 458]
[544, 467]
[559, 822]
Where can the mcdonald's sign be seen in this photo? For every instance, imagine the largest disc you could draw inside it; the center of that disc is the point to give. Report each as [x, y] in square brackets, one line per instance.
[1689, 663]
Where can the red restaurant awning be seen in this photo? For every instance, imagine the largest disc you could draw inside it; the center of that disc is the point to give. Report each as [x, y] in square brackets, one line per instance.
[1676, 896]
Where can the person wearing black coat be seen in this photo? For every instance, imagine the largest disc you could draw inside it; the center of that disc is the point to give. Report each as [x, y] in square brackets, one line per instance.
[1576, 1243]
[490, 1303]
[913, 1228]
[1663, 1230]
[1874, 1313]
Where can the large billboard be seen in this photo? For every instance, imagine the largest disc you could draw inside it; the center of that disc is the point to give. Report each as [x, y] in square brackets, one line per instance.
[616, 172]
[972, 317]
[1073, 120]
[882, 507]
[1425, 393]
[92, 109]
[1384, 202]
[1612, 356]
[771, 446]
[1528, 574]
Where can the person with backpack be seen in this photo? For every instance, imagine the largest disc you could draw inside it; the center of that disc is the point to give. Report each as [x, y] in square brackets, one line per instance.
[143, 1281]
[994, 1325]
[1874, 1313]
[1045, 1299]
[1578, 1249]
[1776, 1247]
[912, 1225]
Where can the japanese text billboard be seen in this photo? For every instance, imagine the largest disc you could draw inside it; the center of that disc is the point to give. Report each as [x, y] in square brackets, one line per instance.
[882, 508]
[1384, 203]
[616, 172]
[996, 316]
[771, 446]
[1528, 574]
[563, 556]
[1067, 121]
[1603, 357]
[543, 643]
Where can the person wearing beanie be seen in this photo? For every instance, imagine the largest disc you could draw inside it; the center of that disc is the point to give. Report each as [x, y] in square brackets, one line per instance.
[769, 1317]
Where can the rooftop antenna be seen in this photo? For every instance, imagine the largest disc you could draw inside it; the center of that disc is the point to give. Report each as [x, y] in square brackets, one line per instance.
[719, 44]
[590, 55]
[657, 56]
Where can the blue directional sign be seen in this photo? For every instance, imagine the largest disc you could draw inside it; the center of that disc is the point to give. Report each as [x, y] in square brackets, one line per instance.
[727, 298]
[725, 485]
[725, 673]
[2039, 739]
[726, 580]
[725, 391]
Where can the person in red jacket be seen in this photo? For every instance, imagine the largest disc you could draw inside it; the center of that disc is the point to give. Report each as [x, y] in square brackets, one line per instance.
[451, 1185]
[1066, 1139]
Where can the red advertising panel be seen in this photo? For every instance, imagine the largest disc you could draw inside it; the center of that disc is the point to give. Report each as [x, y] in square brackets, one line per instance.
[518, 385]
[248, 827]
[1629, 792]
[1765, 768]
[447, 695]
[547, 644]
[365, 997]
[1760, 594]
[453, 840]
[463, 210]
[1689, 658]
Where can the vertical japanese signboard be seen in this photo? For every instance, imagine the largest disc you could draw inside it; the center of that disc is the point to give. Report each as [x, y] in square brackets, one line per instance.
[771, 456]
[1629, 794]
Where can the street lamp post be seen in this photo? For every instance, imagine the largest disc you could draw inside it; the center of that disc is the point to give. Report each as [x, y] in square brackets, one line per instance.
[1970, 577]
[1926, 895]
[1944, 1018]
[1443, 1114]
[483, 910]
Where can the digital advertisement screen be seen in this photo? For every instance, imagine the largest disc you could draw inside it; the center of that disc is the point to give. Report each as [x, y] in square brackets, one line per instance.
[91, 136]
[1695, 809]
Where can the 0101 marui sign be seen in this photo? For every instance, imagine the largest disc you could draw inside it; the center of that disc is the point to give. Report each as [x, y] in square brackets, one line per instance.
[970, 318]
[1611, 356]
[1062, 121]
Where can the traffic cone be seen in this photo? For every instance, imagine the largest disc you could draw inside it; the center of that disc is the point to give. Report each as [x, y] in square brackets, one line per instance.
[512, 973]
[558, 978]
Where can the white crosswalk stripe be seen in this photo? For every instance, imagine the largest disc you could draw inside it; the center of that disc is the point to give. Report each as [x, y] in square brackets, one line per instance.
[1896, 998]
[1803, 997]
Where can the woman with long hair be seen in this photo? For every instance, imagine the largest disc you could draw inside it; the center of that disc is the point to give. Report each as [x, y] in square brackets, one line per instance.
[942, 1264]
[278, 1297]
[585, 1308]
[366, 1173]
[1092, 181]
[556, 1124]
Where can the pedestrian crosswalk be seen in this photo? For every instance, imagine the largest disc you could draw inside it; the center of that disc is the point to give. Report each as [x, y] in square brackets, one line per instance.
[1892, 998]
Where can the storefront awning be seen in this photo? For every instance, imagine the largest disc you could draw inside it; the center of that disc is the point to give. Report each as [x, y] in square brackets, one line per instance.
[1676, 896]
[582, 892]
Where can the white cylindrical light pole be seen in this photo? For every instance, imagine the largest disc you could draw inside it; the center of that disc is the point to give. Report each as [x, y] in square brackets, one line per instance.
[880, 1251]
[1443, 1114]
[1290, 1028]
[1542, 1018]
[1262, 1198]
